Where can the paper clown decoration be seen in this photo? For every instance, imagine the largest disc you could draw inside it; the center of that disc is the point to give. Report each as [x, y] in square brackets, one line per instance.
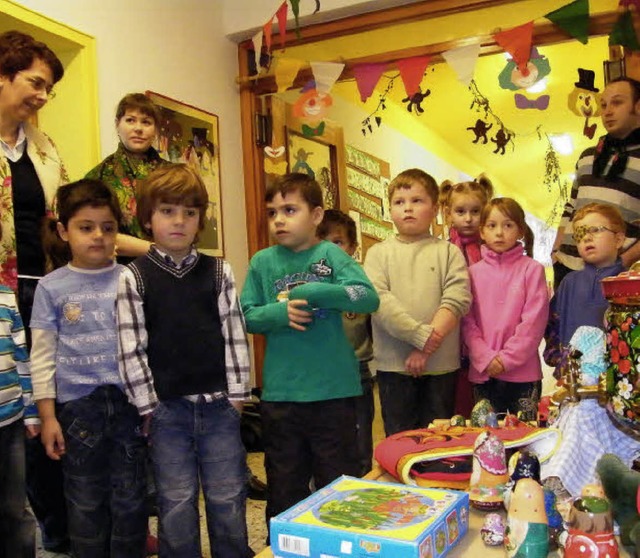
[311, 107]
[514, 79]
[584, 100]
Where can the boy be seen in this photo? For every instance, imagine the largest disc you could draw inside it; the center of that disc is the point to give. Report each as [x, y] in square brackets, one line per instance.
[599, 233]
[17, 526]
[86, 419]
[295, 293]
[423, 285]
[339, 228]
[184, 358]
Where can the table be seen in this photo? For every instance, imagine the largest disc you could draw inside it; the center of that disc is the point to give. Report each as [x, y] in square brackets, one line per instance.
[470, 545]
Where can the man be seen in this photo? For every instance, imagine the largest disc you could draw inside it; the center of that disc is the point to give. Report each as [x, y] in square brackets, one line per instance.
[609, 173]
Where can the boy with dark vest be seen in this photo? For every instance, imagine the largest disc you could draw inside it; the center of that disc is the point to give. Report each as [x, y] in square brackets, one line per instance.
[184, 359]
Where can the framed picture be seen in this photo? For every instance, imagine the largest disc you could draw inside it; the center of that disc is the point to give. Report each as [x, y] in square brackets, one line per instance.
[613, 69]
[316, 159]
[189, 135]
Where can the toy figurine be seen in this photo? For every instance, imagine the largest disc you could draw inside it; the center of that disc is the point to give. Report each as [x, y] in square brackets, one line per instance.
[522, 465]
[492, 531]
[590, 529]
[479, 413]
[527, 534]
[489, 474]
[458, 420]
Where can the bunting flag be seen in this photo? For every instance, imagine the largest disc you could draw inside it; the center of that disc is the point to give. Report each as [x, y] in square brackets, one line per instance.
[573, 18]
[517, 42]
[412, 71]
[286, 72]
[295, 8]
[367, 76]
[281, 15]
[267, 29]
[463, 61]
[257, 48]
[623, 32]
[325, 74]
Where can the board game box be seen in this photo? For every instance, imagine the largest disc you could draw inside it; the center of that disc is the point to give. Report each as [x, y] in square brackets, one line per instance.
[358, 518]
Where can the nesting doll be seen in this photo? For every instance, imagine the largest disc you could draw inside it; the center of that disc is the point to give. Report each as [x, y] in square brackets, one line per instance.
[527, 535]
[492, 531]
[590, 529]
[522, 465]
[489, 473]
[480, 412]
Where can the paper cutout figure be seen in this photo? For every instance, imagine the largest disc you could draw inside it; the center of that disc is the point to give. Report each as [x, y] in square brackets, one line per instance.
[522, 102]
[501, 139]
[513, 78]
[584, 100]
[480, 130]
[416, 99]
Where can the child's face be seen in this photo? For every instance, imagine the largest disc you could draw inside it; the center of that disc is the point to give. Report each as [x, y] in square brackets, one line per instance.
[338, 235]
[292, 223]
[412, 211]
[500, 233]
[174, 228]
[464, 214]
[91, 234]
[598, 248]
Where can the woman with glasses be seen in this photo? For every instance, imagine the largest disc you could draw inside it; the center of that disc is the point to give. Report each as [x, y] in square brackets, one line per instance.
[137, 124]
[30, 173]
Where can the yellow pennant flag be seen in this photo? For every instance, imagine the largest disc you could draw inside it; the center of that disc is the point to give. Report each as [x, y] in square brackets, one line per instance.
[286, 72]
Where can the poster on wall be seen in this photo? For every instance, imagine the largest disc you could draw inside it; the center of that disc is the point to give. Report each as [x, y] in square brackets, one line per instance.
[190, 135]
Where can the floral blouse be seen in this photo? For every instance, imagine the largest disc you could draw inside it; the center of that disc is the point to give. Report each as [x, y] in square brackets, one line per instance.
[120, 172]
[51, 173]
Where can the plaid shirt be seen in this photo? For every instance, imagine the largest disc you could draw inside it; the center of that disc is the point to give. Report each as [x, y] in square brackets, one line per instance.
[133, 338]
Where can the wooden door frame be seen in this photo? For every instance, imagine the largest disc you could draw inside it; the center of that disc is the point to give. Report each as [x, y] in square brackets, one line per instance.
[251, 88]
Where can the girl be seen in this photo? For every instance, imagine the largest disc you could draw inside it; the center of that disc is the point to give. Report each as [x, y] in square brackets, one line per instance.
[508, 314]
[462, 205]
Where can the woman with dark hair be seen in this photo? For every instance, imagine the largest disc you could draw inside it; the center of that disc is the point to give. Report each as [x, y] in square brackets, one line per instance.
[30, 173]
[137, 124]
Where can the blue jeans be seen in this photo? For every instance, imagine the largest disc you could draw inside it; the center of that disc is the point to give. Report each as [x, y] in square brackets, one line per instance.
[193, 444]
[104, 475]
[408, 403]
[17, 525]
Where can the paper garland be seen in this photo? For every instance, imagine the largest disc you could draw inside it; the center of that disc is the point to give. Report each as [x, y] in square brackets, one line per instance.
[412, 71]
[463, 61]
[573, 18]
[517, 42]
[367, 77]
[325, 74]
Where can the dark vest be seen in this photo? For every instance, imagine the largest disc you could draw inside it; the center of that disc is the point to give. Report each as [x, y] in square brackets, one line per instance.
[186, 348]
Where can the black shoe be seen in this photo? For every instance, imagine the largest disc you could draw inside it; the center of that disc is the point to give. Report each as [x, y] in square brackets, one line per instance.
[256, 489]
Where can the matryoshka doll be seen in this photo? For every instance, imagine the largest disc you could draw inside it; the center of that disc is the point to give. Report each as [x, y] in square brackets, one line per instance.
[590, 529]
[527, 530]
[489, 475]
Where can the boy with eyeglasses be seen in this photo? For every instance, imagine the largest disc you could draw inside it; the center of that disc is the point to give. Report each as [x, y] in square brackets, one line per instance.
[599, 233]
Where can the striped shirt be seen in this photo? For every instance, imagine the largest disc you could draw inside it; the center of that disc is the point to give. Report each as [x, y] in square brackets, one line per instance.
[15, 374]
[133, 339]
[622, 191]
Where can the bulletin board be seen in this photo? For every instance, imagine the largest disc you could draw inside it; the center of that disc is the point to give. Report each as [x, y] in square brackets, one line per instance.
[367, 193]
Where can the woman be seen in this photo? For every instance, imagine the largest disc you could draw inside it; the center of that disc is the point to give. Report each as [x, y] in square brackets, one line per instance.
[30, 173]
[137, 123]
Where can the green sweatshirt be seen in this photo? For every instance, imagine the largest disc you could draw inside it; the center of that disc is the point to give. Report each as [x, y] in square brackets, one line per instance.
[319, 363]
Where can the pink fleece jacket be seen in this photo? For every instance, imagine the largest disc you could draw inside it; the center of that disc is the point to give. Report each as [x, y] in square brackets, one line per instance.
[508, 315]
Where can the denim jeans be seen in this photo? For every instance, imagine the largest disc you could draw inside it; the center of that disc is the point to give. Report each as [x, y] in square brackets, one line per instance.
[104, 475]
[17, 525]
[408, 403]
[193, 444]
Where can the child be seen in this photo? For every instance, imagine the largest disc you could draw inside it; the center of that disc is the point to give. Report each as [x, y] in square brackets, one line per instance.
[17, 526]
[599, 233]
[423, 285]
[339, 228]
[184, 357]
[86, 419]
[510, 307]
[462, 205]
[295, 293]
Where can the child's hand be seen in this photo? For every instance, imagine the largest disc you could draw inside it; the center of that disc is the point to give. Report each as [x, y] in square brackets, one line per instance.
[31, 430]
[52, 438]
[415, 363]
[495, 367]
[298, 317]
[433, 343]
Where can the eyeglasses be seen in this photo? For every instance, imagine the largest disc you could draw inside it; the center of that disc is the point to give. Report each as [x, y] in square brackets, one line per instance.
[581, 232]
[38, 84]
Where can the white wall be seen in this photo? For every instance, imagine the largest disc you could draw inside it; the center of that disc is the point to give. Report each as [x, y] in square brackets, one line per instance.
[178, 49]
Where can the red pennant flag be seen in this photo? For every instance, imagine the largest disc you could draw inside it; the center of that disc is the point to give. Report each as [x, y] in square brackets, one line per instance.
[281, 14]
[517, 42]
[412, 71]
[267, 28]
[367, 76]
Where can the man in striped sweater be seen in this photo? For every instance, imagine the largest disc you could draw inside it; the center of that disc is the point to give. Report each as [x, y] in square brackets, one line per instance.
[608, 172]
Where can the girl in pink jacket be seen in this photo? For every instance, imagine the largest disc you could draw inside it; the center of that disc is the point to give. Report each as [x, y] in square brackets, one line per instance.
[508, 314]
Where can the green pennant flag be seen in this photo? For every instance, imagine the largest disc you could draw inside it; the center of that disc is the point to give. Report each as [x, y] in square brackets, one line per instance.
[295, 8]
[623, 33]
[573, 18]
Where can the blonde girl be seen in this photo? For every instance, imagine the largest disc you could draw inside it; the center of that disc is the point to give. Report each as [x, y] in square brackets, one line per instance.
[508, 314]
[462, 205]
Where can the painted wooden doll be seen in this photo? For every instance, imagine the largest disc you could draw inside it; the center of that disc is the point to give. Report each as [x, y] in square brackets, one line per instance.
[527, 530]
[489, 474]
[590, 529]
